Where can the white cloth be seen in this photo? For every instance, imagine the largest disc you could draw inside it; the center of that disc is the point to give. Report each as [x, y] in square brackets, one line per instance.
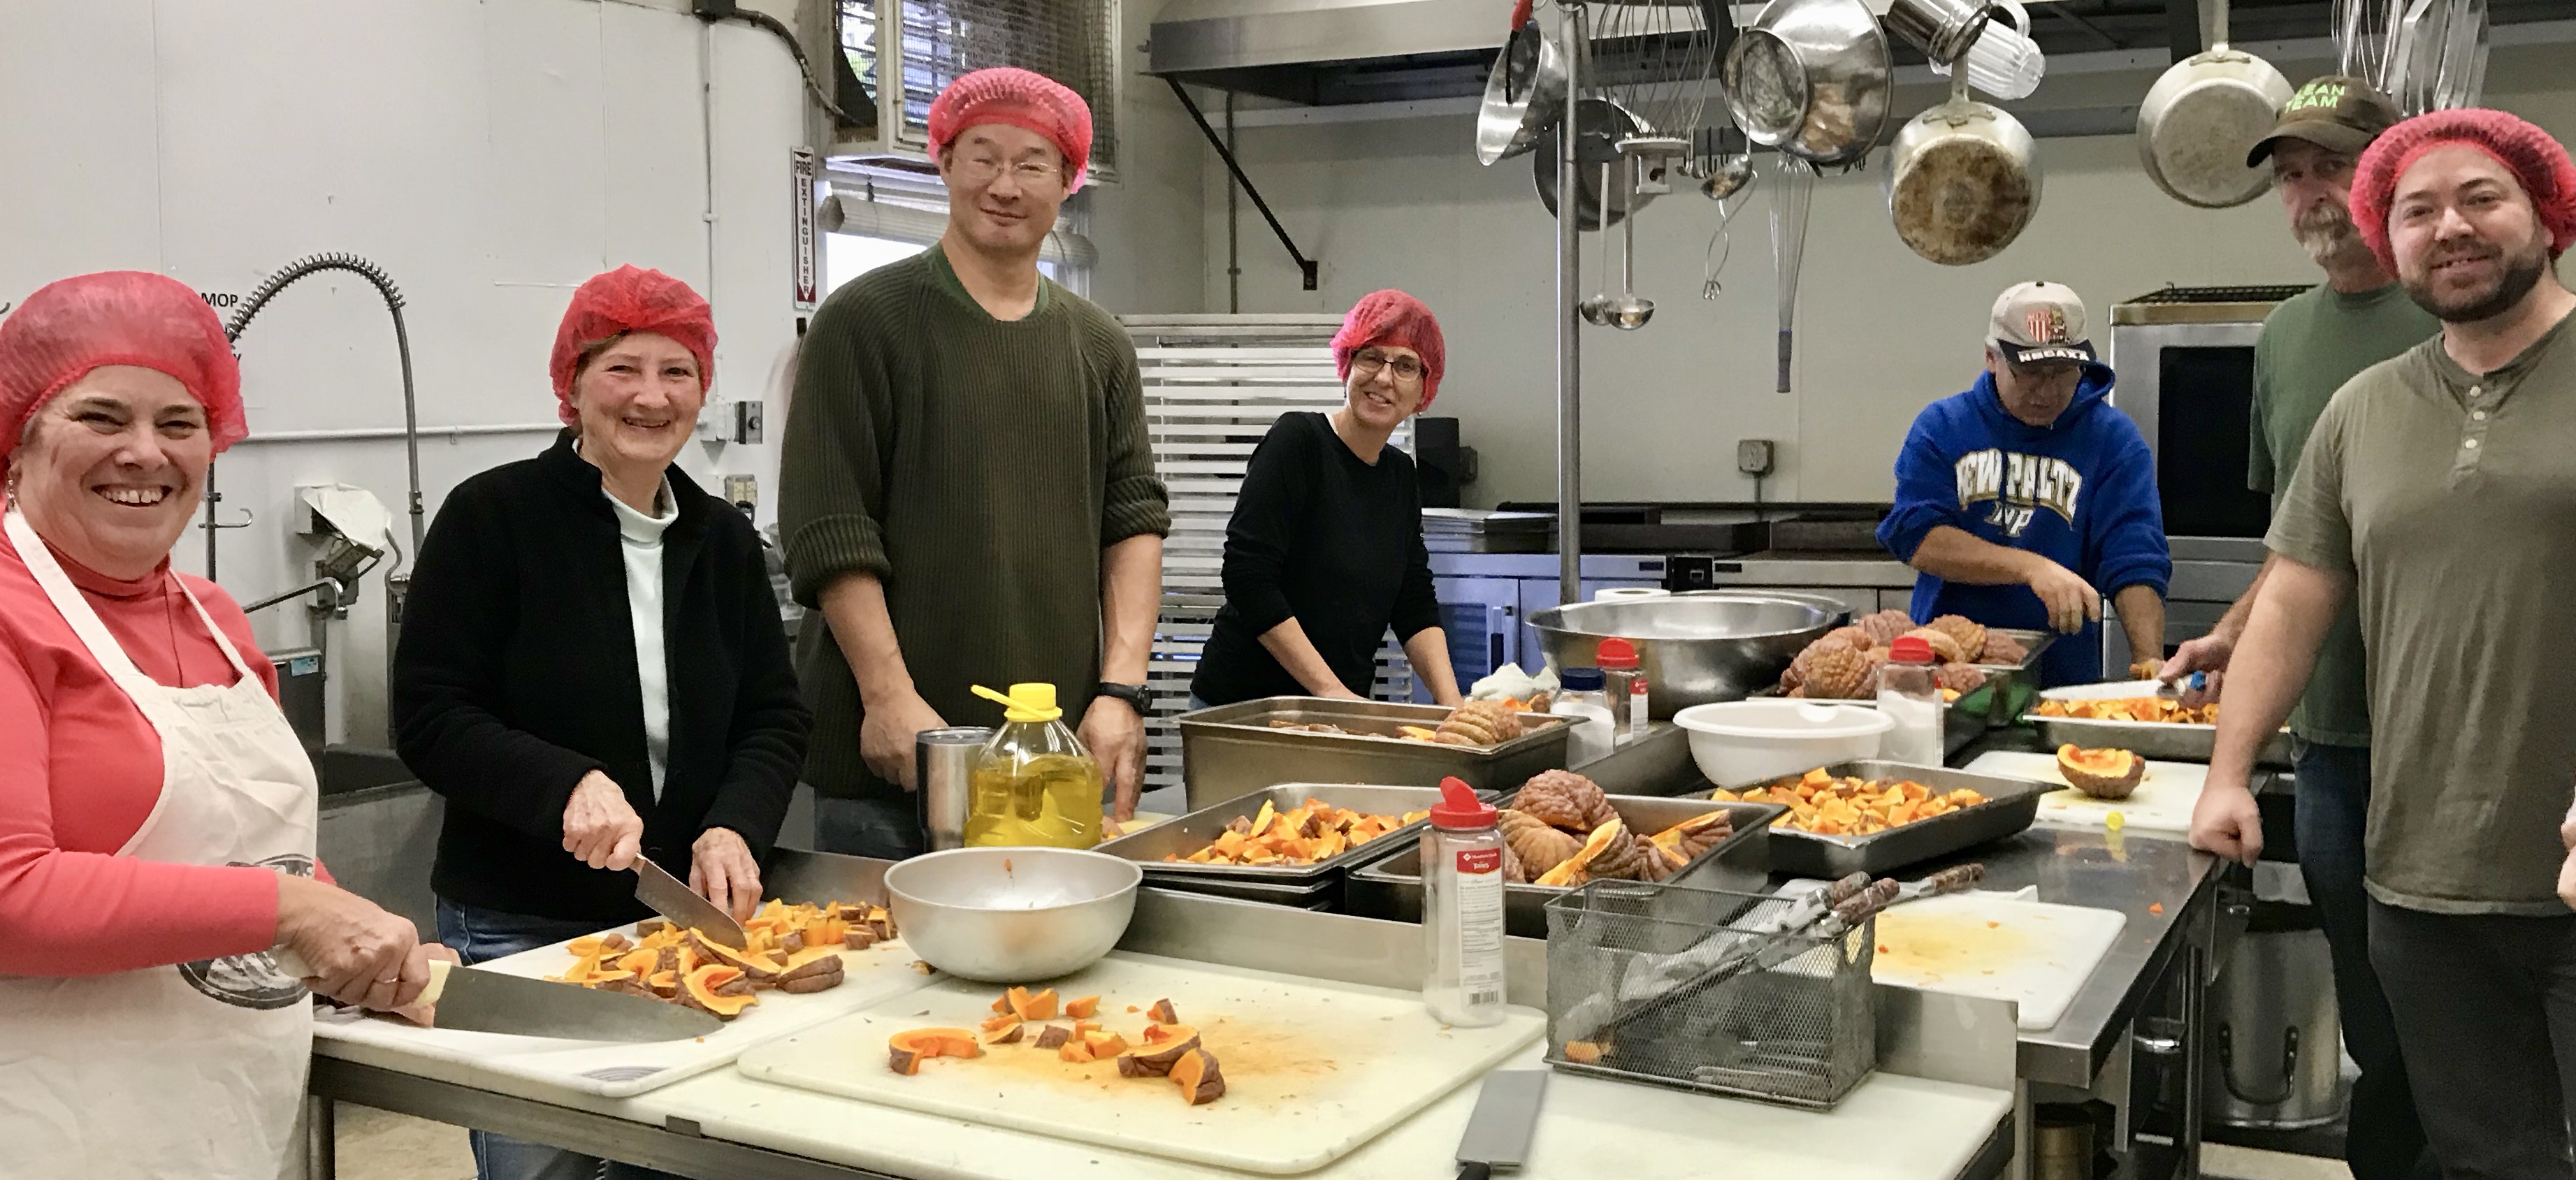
[641, 538]
[194, 1070]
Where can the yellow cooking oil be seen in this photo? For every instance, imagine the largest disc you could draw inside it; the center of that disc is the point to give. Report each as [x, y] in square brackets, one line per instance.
[1033, 783]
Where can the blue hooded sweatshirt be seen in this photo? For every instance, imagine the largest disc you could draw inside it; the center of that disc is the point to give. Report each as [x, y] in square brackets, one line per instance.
[2080, 491]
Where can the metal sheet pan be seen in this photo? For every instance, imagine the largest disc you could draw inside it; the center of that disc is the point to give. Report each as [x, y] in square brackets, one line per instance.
[1391, 887]
[2166, 741]
[1231, 749]
[2011, 804]
[1189, 833]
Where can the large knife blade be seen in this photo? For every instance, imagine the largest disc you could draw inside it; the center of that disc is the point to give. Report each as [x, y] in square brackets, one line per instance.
[1498, 1134]
[490, 1002]
[673, 899]
[467, 1000]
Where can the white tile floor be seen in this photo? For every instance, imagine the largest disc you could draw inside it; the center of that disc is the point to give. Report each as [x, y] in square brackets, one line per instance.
[2238, 1163]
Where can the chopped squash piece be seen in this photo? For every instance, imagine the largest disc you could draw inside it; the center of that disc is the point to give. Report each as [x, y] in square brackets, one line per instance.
[907, 1050]
[1197, 1075]
[1083, 1007]
[1033, 1008]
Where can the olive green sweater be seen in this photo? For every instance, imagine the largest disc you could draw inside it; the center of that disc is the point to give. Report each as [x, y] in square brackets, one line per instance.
[978, 468]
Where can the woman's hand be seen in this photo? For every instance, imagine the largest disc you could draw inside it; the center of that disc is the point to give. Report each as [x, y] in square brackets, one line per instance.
[721, 870]
[425, 1015]
[1337, 691]
[887, 736]
[356, 952]
[600, 829]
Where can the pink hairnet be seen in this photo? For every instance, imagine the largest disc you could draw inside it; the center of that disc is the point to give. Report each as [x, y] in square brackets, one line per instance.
[2536, 160]
[1016, 98]
[631, 299]
[116, 317]
[1393, 317]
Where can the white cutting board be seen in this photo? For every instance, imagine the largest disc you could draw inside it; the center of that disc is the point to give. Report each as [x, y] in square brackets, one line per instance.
[542, 1067]
[2162, 802]
[1994, 946]
[1313, 1068]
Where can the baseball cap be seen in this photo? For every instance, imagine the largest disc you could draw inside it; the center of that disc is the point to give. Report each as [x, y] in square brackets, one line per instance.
[2040, 322]
[2335, 112]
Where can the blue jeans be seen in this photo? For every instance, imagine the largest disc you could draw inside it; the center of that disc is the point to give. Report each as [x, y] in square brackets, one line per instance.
[2385, 1139]
[887, 829]
[479, 935]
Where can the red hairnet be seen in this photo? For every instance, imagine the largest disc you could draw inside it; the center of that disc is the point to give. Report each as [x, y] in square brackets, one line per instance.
[1393, 317]
[1018, 98]
[116, 317]
[2536, 160]
[631, 299]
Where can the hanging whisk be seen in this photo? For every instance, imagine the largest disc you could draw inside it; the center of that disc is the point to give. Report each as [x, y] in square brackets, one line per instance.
[1793, 188]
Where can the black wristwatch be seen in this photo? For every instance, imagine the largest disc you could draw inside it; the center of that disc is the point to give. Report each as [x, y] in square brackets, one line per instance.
[1133, 694]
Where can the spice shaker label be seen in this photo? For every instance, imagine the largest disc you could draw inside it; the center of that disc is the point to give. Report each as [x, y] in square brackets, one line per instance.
[1480, 860]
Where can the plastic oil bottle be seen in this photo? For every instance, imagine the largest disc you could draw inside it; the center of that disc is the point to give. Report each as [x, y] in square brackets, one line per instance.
[1033, 783]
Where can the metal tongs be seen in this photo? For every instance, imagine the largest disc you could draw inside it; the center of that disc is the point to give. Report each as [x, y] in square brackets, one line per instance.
[1821, 914]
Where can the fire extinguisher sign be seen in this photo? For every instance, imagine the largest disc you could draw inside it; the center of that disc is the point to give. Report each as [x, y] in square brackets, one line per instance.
[804, 170]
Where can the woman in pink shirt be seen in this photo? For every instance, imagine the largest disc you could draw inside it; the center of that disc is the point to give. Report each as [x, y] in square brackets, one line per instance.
[156, 812]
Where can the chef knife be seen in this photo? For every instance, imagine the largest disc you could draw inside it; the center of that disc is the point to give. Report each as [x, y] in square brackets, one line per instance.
[673, 899]
[1498, 1134]
[468, 1000]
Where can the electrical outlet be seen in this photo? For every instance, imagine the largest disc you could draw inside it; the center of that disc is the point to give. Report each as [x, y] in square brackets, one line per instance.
[1753, 456]
[742, 489]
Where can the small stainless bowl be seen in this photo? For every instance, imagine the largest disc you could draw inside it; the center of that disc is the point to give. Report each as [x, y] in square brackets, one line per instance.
[1012, 915]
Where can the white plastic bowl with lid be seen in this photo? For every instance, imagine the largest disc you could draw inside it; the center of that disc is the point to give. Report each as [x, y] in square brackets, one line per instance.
[1738, 743]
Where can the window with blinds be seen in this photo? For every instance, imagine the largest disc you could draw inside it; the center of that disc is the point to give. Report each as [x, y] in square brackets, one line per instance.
[936, 41]
[1214, 384]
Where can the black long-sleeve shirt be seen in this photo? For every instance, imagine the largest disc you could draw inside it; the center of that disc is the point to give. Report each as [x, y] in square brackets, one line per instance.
[515, 677]
[1324, 538]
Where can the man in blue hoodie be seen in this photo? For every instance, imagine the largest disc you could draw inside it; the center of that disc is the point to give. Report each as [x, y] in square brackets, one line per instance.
[2024, 500]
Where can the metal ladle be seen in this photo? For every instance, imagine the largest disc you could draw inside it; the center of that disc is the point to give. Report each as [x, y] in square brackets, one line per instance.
[1598, 308]
[1629, 311]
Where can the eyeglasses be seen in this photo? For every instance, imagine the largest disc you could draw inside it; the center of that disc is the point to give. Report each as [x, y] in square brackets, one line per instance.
[1367, 361]
[984, 170]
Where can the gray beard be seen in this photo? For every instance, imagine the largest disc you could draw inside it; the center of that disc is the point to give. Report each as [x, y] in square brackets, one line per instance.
[2329, 240]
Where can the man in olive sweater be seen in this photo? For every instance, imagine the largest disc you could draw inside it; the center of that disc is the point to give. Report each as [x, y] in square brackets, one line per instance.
[966, 494]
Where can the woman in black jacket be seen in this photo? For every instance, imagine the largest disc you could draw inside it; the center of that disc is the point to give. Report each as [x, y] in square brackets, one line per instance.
[1324, 552]
[592, 667]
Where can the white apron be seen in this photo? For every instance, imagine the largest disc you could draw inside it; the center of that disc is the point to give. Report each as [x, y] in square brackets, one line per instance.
[195, 1070]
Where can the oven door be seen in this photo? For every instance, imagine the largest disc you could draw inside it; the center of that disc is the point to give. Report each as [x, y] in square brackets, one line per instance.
[2190, 389]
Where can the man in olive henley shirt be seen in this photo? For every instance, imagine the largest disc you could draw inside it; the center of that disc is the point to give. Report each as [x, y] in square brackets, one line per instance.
[2437, 488]
[965, 491]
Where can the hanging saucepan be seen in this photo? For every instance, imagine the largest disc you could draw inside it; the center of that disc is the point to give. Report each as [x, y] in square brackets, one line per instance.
[1524, 96]
[1961, 180]
[1811, 78]
[2202, 116]
[1601, 123]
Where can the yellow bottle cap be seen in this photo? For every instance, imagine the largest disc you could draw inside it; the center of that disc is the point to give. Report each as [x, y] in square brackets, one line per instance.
[1027, 702]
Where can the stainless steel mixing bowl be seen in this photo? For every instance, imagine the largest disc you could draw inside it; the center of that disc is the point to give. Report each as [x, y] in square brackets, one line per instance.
[1697, 647]
[1012, 915]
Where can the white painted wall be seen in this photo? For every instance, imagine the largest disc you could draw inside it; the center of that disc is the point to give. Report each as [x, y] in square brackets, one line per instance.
[1150, 261]
[490, 156]
[1880, 332]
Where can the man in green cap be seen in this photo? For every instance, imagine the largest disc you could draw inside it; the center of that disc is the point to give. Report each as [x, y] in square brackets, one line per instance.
[2311, 344]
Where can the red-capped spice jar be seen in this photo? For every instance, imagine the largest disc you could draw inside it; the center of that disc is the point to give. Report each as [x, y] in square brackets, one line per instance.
[1462, 909]
[1623, 683]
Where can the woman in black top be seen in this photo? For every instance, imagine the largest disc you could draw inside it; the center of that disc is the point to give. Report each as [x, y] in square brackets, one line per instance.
[592, 669]
[1324, 552]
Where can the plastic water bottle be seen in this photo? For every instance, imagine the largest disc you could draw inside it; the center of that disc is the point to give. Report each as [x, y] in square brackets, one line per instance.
[1594, 727]
[1909, 696]
[1462, 909]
